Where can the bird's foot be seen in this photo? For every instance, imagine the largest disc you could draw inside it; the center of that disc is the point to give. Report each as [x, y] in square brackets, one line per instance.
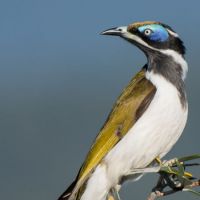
[166, 163]
[170, 163]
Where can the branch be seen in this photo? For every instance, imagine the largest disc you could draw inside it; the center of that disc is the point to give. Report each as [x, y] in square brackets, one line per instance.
[173, 175]
[176, 178]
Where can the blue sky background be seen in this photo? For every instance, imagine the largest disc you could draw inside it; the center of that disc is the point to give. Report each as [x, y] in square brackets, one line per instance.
[59, 79]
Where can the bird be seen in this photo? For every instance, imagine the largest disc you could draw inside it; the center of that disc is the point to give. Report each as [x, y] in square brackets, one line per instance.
[146, 120]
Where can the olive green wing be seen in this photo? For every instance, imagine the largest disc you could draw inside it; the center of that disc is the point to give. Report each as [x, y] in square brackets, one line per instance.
[130, 105]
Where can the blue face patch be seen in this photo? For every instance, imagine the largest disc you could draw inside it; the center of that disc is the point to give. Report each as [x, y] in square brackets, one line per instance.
[158, 33]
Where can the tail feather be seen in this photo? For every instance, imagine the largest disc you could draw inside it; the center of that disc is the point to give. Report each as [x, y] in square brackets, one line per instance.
[75, 190]
[68, 191]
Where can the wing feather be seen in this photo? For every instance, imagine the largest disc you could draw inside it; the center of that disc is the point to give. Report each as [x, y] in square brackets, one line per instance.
[126, 111]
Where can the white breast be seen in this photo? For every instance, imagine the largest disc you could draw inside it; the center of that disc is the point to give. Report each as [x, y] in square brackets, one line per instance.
[154, 134]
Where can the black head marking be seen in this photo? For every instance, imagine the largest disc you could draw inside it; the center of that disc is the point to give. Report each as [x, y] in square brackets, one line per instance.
[171, 71]
[173, 42]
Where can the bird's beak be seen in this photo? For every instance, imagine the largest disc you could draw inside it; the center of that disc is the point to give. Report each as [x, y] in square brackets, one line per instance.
[117, 31]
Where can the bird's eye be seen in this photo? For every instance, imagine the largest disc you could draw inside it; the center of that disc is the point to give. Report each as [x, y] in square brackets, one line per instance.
[147, 32]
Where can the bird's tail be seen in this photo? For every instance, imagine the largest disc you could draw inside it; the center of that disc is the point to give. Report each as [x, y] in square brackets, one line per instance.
[68, 191]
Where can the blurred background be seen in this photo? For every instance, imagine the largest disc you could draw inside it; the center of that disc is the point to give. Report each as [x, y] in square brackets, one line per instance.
[59, 79]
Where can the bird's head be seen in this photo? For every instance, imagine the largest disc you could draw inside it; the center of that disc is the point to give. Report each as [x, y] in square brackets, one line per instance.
[149, 36]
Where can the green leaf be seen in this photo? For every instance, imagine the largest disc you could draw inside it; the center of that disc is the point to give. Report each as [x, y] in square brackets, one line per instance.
[192, 191]
[187, 158]
[186, 181]
[168, 170]
[180, 168]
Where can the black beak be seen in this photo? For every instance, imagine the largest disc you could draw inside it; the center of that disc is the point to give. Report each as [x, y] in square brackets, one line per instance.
[117, 31]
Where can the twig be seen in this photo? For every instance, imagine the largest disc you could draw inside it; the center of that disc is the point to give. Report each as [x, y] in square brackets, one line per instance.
[172, 175]
[175, 178]
[155, 194]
